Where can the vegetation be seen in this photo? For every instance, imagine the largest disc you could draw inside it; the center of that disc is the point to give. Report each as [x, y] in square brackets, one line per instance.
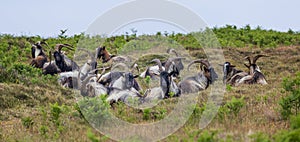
[35, 108]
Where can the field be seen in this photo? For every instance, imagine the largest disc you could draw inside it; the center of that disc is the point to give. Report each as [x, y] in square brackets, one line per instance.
[35, 108]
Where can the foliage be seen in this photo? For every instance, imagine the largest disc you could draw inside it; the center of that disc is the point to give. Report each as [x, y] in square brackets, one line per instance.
[234, 105]
[207, 136]
[293, 134]
[291, 103]
[95, 109]
[259, 137]
[27, 122]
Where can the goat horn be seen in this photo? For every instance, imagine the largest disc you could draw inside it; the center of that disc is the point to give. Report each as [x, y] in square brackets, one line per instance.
[60, 46]
[50, 55]
[202, 61]
[249, 60]
[158, 63]
[172, 50]
[247, 66]
[170, 60]
[103, 70]
[135, 66]
[257, 57]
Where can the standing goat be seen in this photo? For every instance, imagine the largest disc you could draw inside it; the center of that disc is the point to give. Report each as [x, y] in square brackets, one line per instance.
[255, 75]
[198, 82]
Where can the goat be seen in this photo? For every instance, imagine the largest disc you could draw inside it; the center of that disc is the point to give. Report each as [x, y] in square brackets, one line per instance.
[171, 65]
[89, 86]
[120, 79]
[88, 66]
[231, 74]
[68, 79]
[255, 75]
[167, 85]
[201, 80]
[62, 61]
[39, 57]
[102, 53]
[127, 96]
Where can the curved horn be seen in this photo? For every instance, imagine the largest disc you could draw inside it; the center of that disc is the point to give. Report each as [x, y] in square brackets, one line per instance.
[172, 50]
[257, 57]
[44, 42]
[135, 66]
[202, 61]
[50, 55]
[249, 60]
[158, 63]
[58, 47]
[170, 60]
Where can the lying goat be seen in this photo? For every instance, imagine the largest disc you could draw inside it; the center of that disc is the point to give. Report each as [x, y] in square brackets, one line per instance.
[198, 82]
[120, 79]
[255, 75]
[167, 86]
[50, 67]
[171, 65]
[231, 74]
[90, 65]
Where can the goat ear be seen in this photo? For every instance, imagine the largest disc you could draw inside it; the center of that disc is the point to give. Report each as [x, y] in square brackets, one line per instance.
[205, 68]
[103, 47]
[247, 66]
[136, 76]
[232, 66]
[221, 65]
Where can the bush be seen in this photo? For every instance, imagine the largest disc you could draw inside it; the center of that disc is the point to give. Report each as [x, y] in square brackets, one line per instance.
[27, 122]
[291, 104]
[234, 105]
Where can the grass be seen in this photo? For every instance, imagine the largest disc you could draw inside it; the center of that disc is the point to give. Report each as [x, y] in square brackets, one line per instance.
[32, 111]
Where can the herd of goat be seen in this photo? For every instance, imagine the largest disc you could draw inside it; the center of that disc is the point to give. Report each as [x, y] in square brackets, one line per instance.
[123, 86]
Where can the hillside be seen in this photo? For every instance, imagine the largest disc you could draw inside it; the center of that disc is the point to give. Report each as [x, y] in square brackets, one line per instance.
[35, 108]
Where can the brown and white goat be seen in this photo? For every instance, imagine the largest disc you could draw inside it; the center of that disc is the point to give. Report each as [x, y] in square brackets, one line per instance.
[39, 57]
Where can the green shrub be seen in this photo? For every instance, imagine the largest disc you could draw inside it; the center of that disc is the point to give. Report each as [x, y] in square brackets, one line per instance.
[206, 136]
[260, 137]
[291, 104]
[146, 114]
[27, 122]
[234, 105]
[295, 122]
